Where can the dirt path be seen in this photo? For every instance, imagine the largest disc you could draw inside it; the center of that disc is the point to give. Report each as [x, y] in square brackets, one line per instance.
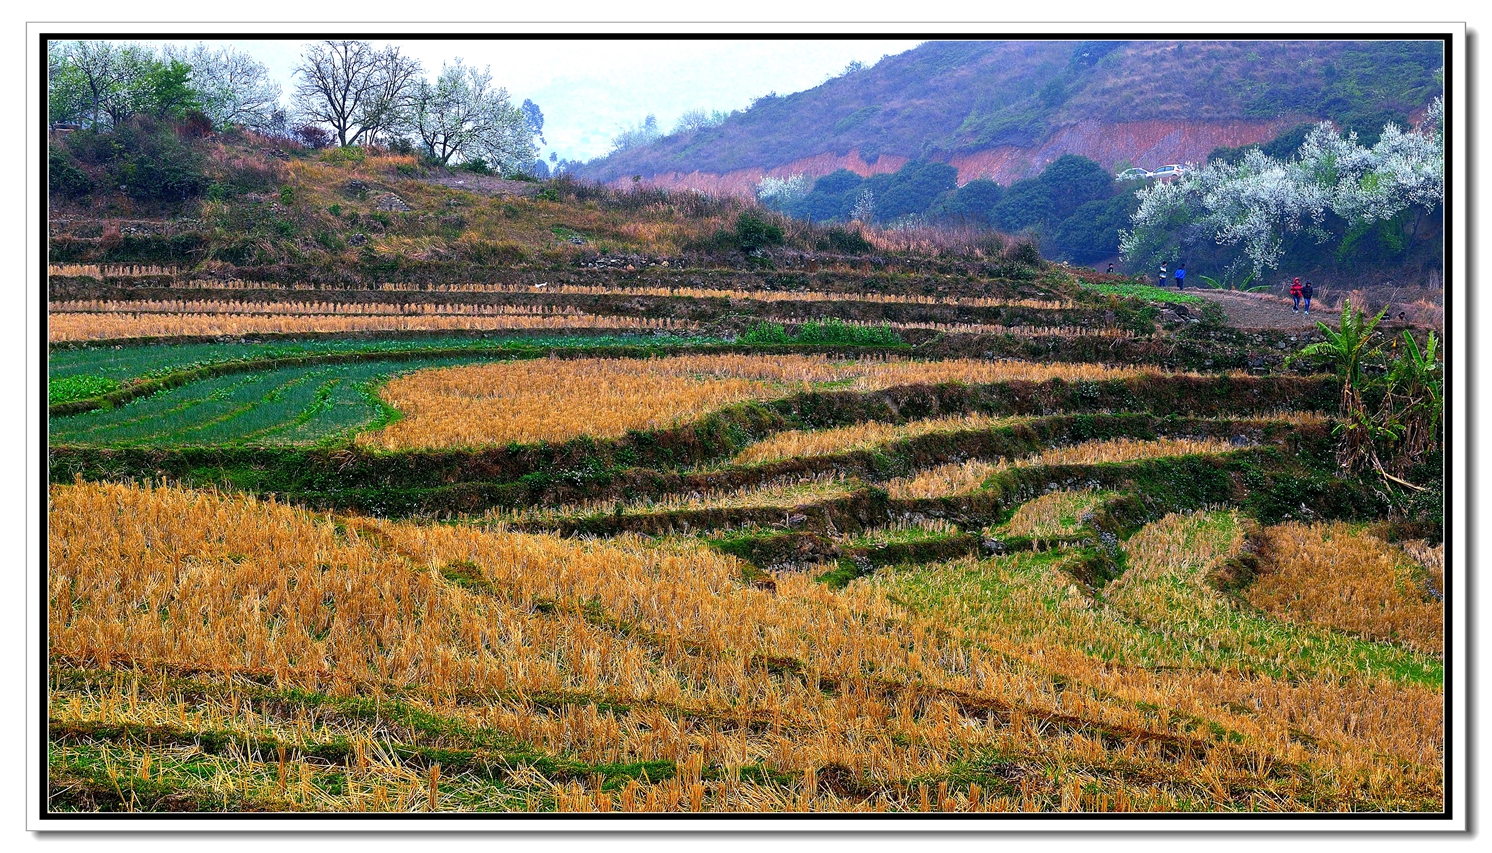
[1262, 311]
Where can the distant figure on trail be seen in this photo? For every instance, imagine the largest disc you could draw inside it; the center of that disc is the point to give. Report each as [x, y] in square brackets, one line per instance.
[1111, 268]
[1181, 276]
[1295, 294]
[1163, 275]
[1306, 293]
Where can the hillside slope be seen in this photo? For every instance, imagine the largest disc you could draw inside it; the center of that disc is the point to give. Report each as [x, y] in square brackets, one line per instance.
[1005, 109]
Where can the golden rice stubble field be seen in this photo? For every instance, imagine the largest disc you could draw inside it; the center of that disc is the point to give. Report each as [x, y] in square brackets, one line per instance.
[560, 399]
[477, 624]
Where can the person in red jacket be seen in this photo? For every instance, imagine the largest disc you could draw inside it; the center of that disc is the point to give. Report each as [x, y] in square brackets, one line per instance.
[1295, 293]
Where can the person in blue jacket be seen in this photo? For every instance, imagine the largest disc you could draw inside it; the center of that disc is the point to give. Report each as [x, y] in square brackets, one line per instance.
[1181, 276]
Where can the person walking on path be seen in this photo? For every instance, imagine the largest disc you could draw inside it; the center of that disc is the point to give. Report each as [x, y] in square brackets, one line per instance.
[1163, 275]
[1111, 268]
[1181, 276]
[1306, 293]
[1295, 294]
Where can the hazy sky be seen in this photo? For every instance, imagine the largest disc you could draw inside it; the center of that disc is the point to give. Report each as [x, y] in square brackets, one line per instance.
[591, 90]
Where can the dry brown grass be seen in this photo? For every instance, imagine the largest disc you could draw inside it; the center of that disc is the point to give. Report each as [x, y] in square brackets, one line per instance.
[957, 478]
[89, 327]
[555, 399]
[1342, 577]
[354, 309]
[953, 478]
[1127, 450]
[624, 651]
[794, 443]
[994, 329]
[783, 492]
[110, 270]
[676, 292]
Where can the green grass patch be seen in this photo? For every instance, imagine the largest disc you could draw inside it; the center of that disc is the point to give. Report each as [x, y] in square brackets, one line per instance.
[79, 386]
[1147, 292]
[1165, 620]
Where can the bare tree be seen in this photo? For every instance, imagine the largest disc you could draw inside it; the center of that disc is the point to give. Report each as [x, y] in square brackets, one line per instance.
[696, 120]
[358, 91]
[389, 115]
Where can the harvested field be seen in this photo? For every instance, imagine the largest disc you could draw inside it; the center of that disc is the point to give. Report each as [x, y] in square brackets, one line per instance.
[956, 478]
[791, 444]
[596, 290]
[355, 309]
[779, 493]
[556, 400]
[594, 658]
[86, 327]
[1342, 577]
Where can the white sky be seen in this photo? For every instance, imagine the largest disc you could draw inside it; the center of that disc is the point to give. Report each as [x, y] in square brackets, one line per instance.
[591, 90]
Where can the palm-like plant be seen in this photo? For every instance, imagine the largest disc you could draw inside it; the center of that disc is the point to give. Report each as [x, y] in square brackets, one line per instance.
[1416, 395]
[1348, 348]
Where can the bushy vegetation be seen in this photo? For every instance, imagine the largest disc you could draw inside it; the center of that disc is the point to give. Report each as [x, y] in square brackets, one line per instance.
[1393, 395]
[1074, 208]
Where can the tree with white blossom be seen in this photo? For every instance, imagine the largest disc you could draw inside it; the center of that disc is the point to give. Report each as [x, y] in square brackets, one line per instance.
[779, 192]
[1256, 203]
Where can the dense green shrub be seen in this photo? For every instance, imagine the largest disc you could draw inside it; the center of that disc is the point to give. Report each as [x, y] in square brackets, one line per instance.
[753, 232]
[64, 178]
[843, 240]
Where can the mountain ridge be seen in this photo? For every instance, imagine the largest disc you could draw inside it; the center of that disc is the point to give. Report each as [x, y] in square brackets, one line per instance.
[1003, 110]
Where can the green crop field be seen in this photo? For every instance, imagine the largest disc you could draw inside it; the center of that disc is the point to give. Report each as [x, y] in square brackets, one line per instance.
[294, 405]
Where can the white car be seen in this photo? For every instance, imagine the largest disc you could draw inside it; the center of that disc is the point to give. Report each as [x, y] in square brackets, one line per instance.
[1133, 175]
[1169, 171]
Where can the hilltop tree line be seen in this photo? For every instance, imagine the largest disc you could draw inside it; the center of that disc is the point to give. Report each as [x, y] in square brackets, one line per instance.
[346, 93]
[1074, 207]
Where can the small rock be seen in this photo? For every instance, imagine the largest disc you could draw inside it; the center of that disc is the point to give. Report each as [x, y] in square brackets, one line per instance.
[392, 203]
[357, 240]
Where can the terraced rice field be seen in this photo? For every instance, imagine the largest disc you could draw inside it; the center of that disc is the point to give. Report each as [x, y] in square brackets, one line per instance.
[684, 574]
[556, 400]
[115, 326]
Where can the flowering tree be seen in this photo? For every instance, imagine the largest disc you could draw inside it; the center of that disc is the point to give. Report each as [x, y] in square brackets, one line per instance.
[1255, 203]
[463, 117]
[864, 210]
[779, 192]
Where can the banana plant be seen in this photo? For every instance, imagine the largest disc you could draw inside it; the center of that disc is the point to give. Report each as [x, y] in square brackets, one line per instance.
[1347, 348]
[1415, 400]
